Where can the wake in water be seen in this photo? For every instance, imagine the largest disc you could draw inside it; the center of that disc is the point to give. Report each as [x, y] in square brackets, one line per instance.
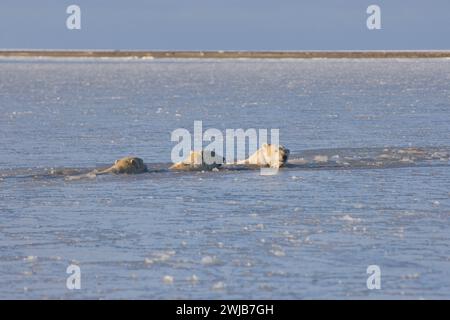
[323, 159]
[379, 158]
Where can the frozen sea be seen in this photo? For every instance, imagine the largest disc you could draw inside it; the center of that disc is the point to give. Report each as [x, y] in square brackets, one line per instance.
[305, 233]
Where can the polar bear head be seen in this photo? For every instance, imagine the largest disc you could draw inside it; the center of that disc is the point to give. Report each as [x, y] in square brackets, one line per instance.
[128, 165]
[269, 155]
[274, 155]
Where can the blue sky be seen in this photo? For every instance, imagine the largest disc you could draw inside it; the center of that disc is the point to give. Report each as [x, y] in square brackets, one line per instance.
[225, 25]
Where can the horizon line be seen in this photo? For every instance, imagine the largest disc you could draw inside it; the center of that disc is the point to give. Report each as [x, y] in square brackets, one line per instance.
[224, 54]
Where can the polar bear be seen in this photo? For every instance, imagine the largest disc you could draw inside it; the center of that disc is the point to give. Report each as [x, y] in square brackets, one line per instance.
[127, 165]
[269, 155]
[200, 160]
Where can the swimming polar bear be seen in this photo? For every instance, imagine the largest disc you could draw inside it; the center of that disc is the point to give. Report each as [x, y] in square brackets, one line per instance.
[200, 160]
[269, 155]
[127, 165]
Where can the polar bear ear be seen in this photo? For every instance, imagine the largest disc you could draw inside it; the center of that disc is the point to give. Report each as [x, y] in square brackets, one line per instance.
[115, 162]
[265, 145]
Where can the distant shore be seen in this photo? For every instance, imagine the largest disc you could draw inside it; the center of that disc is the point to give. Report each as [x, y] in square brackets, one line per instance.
[222, 54]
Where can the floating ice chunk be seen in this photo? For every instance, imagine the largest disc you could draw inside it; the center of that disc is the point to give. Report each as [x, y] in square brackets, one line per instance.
[439, 155]
[248, 264]
[160, 257]
[321, 159]
[209, 260]
[350, 219]
[219, 286]
[168, 279]
[277, 251]
[30, 258]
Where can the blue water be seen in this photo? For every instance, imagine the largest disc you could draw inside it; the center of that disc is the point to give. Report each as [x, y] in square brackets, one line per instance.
[303, 233]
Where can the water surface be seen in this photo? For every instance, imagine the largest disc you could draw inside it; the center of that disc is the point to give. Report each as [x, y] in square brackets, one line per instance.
[306, 232]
